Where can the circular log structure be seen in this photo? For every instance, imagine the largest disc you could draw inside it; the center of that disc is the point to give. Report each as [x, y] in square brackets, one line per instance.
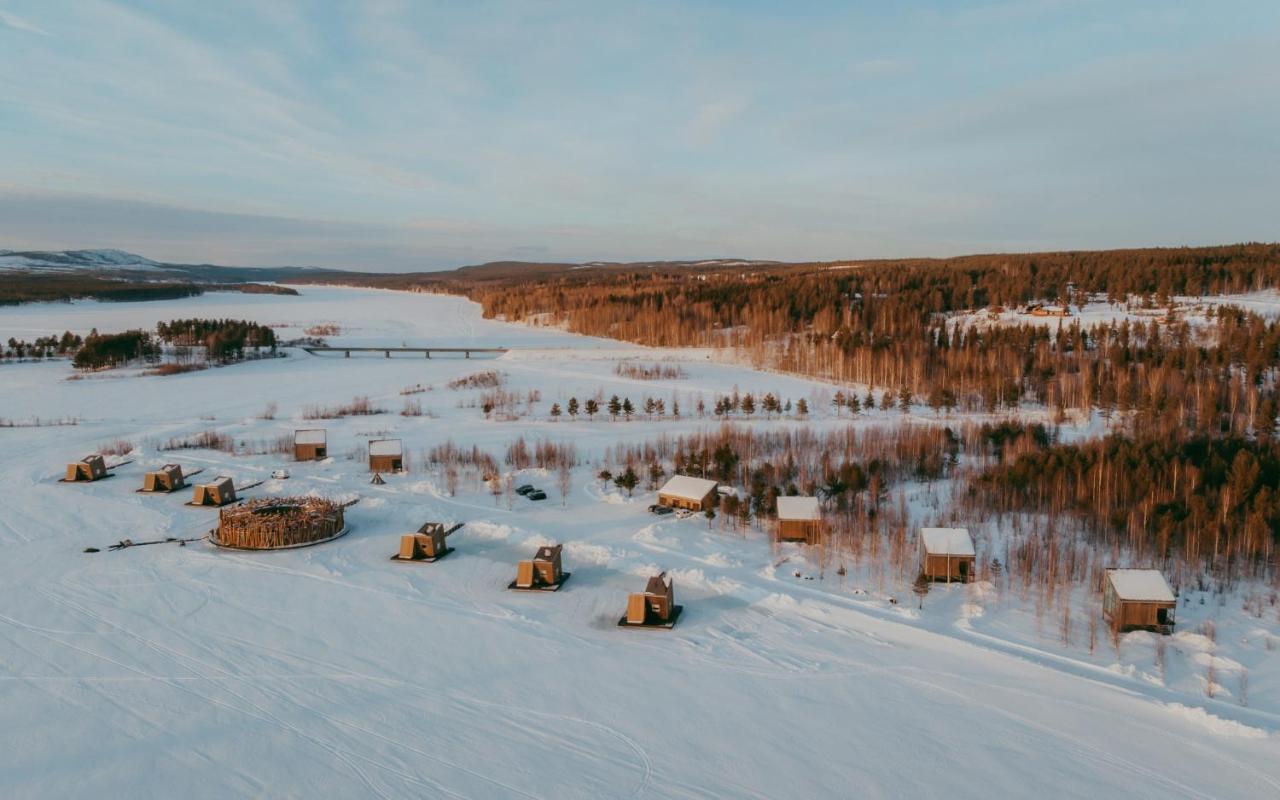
[279, 522]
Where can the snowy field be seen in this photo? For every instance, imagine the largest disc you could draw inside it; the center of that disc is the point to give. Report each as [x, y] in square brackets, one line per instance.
[333, 672]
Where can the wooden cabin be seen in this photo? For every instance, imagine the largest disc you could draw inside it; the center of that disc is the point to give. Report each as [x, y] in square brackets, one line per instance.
[89, 468]
[684, 491]
[168, 478]
[947, 554]
[423, 546]
[218, 492]
[1134, 599]
[1039, 310]
[799, 520]
[543, 570]
[310, 445]
[386, 455]
[655, 605]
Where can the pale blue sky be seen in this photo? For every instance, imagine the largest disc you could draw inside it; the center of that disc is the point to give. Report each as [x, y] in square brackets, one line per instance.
[415, 135]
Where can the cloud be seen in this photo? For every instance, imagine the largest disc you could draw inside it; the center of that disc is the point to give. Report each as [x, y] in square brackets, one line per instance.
[9, 20]
[713, 117]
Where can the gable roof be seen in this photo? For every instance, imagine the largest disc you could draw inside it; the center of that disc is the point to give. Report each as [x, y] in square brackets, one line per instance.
[547, 552]
[947, 541]
[1144, 585]
[688, 487]
[798, 508]
[384, 447]
[312, 436]
[657, 585]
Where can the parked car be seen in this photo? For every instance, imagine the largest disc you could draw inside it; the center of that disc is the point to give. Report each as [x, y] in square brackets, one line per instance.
[525, 490]
[537, 494]
[280, 474]
[659, 509]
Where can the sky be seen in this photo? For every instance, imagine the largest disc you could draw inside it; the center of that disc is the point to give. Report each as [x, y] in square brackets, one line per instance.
[417, 135]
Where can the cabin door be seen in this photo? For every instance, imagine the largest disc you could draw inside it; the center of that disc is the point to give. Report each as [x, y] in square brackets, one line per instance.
[964, 571]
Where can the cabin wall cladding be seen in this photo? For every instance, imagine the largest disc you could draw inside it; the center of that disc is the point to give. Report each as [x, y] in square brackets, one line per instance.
[271, 523]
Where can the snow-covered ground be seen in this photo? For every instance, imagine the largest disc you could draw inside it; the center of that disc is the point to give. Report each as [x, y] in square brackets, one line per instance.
[331, 671]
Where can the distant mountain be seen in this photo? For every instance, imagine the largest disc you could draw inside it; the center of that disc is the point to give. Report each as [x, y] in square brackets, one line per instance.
[73, 260]
[132, 266]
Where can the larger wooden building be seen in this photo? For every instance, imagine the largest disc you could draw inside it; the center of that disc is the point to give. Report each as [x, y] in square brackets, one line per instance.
[684, 491]
[1135, 599]
[310, 445]
[799, 520]
[947, 554]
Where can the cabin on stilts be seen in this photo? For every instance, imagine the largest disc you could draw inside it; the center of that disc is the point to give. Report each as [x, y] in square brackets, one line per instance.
[687, 492]
[543, 572]
[386, 455]
[655, 607]
[310, 445]
[220, 491]
[1138, 599]
[947, 554]
[168, 478]
[89, 468]
[799, 520]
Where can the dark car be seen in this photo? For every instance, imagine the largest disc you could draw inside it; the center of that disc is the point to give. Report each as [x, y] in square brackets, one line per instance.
[659, 509]
[537, 494]
[525, 490]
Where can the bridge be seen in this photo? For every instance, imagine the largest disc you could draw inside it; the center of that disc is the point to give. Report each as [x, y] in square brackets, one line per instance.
[387, 351]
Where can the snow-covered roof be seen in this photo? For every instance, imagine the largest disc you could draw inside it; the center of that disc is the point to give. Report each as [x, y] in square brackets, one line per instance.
[798, 508]
[314, 436]
[1146, 585]
[688, 487]
[384, 447]
[947, 541]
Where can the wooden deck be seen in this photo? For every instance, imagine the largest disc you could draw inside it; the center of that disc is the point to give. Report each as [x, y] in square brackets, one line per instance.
[387, 351]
